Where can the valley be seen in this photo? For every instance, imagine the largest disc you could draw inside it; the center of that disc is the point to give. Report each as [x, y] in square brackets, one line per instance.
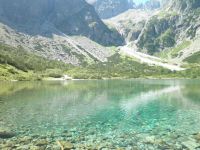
[99, 74]
[162, 38]
[150, 60]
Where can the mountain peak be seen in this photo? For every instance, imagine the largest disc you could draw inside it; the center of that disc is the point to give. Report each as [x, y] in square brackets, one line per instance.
[110, 8]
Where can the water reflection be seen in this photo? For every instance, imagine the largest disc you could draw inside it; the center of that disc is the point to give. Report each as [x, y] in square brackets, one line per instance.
[145, 97]
[55, 106]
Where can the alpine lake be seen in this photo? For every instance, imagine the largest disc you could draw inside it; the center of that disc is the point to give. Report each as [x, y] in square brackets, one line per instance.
[100, 115]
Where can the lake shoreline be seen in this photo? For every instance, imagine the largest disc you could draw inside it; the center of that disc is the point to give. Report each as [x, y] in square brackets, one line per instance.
[61, 79]
[103, 114]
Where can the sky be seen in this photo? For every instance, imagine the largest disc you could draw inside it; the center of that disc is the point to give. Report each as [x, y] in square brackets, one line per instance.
[136, 1]
[139, 1]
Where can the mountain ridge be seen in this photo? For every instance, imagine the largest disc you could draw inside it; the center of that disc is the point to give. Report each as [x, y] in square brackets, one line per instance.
[50, 29]
[173, 26]
[49, 17]
[110, 8]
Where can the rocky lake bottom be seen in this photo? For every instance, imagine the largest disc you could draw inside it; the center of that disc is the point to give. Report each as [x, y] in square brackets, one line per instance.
[100, 115]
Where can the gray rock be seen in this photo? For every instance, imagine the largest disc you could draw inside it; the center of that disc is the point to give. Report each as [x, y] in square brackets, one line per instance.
[150, 140]
[66, 145]
[35, 148]
[4, 134]
[110, 8]
[55, 147]
[41, 142]
[25, 140]
[191, 144]
[197, 137]
[25, 147]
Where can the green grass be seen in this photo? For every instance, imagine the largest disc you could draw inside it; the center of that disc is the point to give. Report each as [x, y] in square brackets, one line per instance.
[117, 67]
[163, 54]
[18, 64]
[195, 58]
[164, 14]
[174, 52]
[8, 72]
[193, 71]
[23, 60]
[113, 49]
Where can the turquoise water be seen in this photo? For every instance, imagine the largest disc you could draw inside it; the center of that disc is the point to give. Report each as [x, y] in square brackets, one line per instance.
[142, 114]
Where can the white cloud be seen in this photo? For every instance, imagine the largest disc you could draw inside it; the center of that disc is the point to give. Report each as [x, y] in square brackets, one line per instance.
[91, 1]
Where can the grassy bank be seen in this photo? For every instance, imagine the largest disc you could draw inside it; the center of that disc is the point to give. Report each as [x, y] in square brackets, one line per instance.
[18, 64]
[117, 67]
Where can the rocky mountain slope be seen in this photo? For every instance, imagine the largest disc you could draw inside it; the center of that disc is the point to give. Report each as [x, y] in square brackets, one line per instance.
[171, 32]
[57, 16]
[109, 8]
[150, 5]
[176, 24]
[64, 48]
[48, 28]
[130, 23]
[53, 30]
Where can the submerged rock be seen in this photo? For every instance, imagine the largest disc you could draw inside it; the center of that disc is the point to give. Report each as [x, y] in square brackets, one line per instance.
[35, 148]
[25, 147]
[25, 140]
[42, 142]
[4, 134]
[150, 140]
[197, 137]
[65, 145]
[191, 144]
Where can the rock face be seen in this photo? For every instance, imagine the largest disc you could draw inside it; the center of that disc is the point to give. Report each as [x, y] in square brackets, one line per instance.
[177, 22]
[61, 17]
[157, 34]
[153, 4]
[175, 26]
[186, 5]
[110, 8]
[71, 50]
[130, 23]
[150, 5]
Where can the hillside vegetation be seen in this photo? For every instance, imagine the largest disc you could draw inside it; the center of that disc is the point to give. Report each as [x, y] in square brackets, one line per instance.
[195, 58]
[47, 50]
[118, 67]
[18, 64]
